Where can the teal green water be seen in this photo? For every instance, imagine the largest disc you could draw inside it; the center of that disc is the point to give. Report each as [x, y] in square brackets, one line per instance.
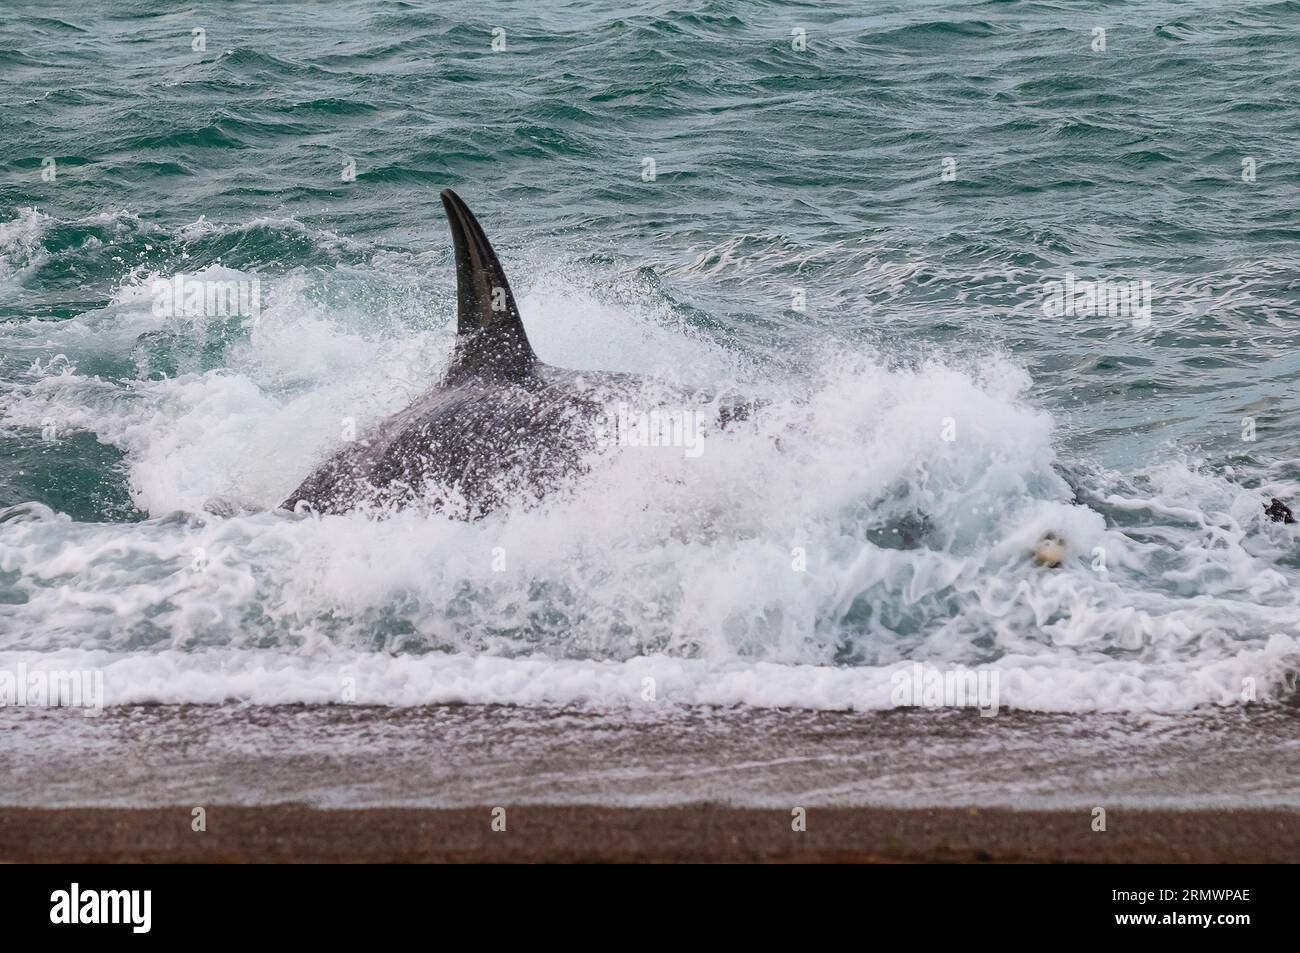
[773, 167]
[777, 171]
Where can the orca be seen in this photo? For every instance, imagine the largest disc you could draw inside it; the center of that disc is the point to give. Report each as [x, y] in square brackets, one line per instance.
[499, 426]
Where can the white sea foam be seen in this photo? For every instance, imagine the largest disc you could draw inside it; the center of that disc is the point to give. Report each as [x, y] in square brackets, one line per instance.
[684, 570]
[20, 245]
[330, 676]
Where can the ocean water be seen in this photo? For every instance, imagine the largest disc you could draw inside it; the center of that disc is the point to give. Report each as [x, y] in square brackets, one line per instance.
[861, 233]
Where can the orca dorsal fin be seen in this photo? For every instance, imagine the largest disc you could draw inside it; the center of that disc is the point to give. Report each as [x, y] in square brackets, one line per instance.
[490, 336]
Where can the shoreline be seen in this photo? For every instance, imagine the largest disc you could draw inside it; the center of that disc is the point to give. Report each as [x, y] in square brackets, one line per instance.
[358, 785]
[695, 833]
[455, 756]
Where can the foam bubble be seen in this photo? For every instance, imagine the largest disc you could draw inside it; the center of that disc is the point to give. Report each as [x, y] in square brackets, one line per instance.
[20, 245]
[878, 513]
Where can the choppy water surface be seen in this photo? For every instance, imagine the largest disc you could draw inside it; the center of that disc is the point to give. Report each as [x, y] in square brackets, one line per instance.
[142, 453]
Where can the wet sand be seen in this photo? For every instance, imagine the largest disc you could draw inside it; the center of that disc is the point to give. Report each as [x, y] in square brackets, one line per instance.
[452, 756]
[690, 833]
[345, 783]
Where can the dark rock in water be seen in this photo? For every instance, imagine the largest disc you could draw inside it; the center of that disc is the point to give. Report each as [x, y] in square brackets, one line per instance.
[1279, 512]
